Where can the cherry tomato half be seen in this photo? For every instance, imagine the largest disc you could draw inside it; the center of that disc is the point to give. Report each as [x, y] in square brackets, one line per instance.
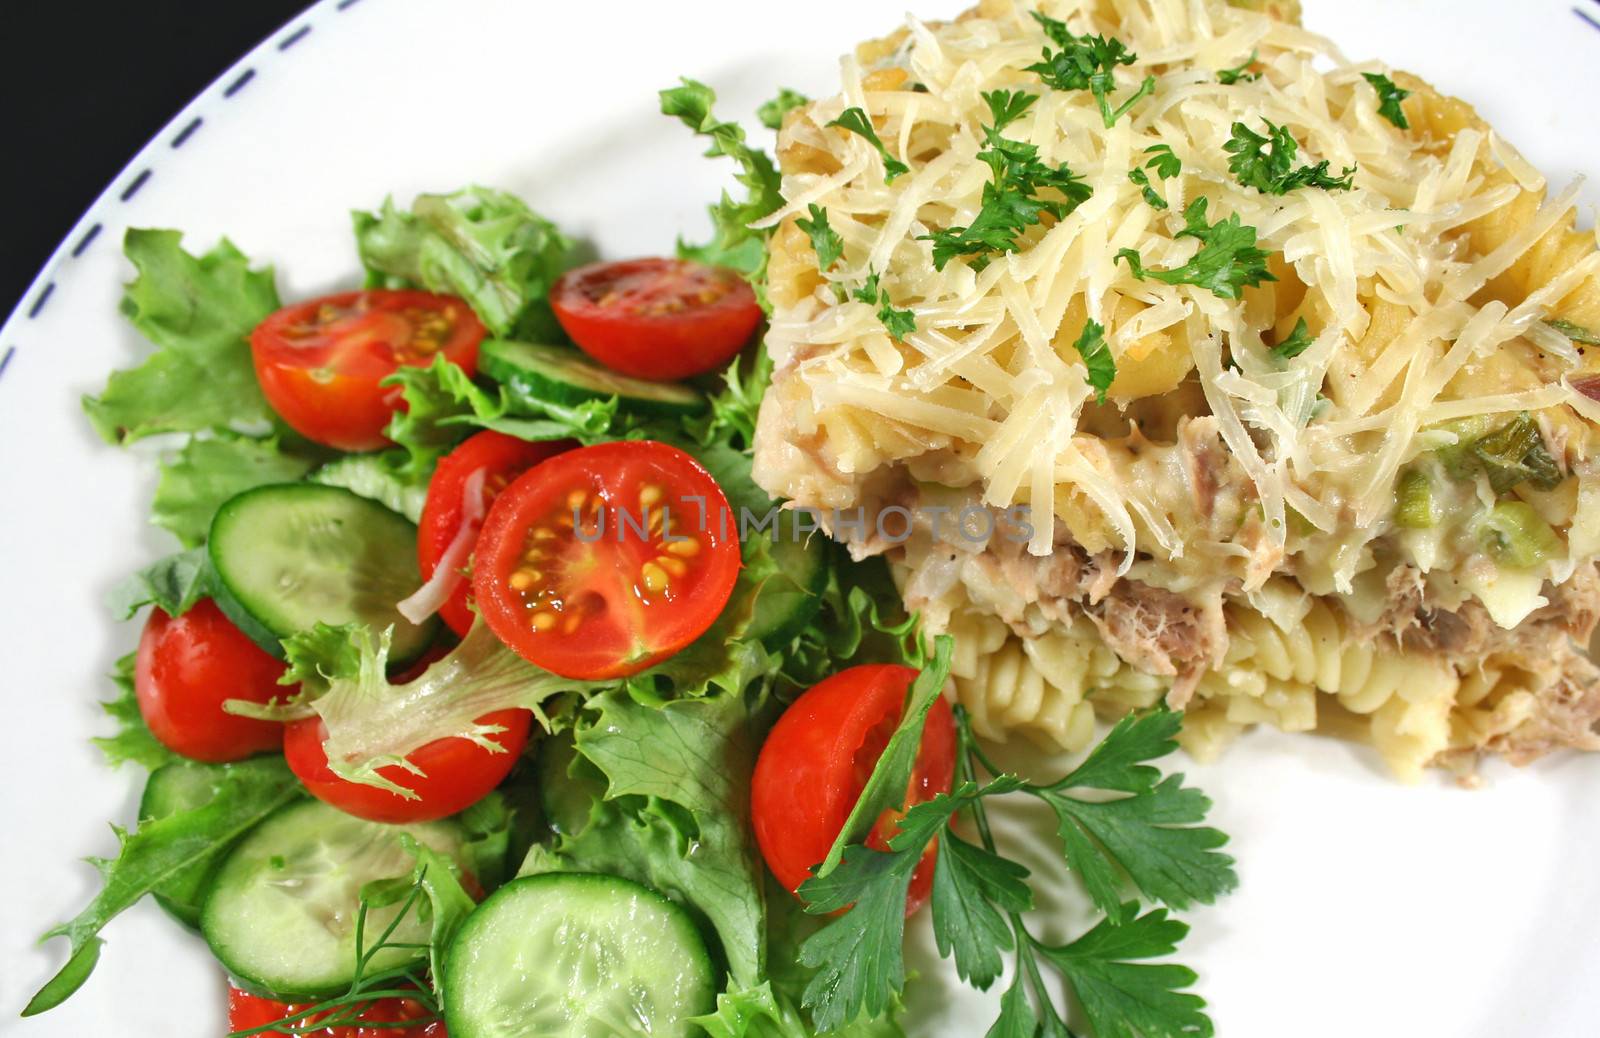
[817, 760]
[246, 1011]
[322, 363]
[603, 561]
[501, 459]
[657, 318]
[187, 666]
[456, 773]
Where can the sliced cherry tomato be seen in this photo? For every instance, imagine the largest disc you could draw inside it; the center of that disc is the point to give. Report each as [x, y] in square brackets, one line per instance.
[603, 561]
[817, 760]
[246, 1011]
[657, 318]
[322, 363]
[501, 459]
[456, 773]
[187, 667]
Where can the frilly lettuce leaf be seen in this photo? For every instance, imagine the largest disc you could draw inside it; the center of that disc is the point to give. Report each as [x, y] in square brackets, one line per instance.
[205, 472]
[483, 245]
[198, 311]
[386, 477]
[133, 741]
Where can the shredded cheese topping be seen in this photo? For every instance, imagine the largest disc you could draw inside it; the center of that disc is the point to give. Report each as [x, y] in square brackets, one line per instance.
[1424, 288]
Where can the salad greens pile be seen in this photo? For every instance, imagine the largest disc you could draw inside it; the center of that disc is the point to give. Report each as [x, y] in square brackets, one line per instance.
[647, 777]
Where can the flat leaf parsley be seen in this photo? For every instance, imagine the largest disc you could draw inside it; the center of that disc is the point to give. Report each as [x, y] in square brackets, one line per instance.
[1097, 359]
[1272, 171]
[858, 122]
[898, 323]
[1389, 98]
[1151, 833]
[1228, 259]
[1166, 164]
[1087, 63]
[1014, 198]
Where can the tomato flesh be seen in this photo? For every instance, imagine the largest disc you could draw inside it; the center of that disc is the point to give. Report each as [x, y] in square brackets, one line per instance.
[246, 1011]
[322, 363]
[501, 458]
[456, 772]
[817, 759]
[187, 666]
[603, 561]
[657, 318]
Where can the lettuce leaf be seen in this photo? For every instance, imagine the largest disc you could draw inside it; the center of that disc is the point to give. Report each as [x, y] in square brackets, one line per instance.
[160, 849]
[172, 584]
[134, 741]
[733, 243]
[483, 245]
[198, 311]
[208, 471]
[674, 814]
[387, 477]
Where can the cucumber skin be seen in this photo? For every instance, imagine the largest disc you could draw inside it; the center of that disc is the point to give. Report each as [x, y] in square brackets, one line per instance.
[527, 385]
[213, 880]
[151, 806]
[459, 951]
[810, 562]
[223, 595]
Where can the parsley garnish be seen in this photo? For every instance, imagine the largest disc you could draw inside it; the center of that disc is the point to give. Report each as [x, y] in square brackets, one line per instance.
[1389, 98]
[1166, 164]
[771, 113]
[1576, 332]
[1012, 200]
[1227, 261]
[1151, 834]
[1272, 172]
[825, 241]
[1239, 73]
[898, 323]
[1297, 343]
[1097, 359]
[856, 121]
[1087, 63]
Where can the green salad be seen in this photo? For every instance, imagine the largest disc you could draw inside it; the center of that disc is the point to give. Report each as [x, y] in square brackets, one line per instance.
[485, 692]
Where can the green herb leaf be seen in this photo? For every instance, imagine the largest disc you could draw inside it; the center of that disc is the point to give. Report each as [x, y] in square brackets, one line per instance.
[133, 741]
[825, 241]
[858, 122]
[1577, 333]
[1389, 98]
[1122, 997]
[198, 311]
[885, 790]
[1164, 161]
[483, 245]
[1012, 200]
[245, 794]
[1153, 834]
[771, 113]
[1100, 365]
[1239, 73]
[1297, 343]
[1087, 63]
[1228, 259]
[1273, 172]
[206, 472]
[733, 243]
[971, 888]
[172, 584]
[1142, 179]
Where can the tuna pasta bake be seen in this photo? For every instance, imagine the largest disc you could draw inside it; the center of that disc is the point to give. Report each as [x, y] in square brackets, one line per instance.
[1167, 354]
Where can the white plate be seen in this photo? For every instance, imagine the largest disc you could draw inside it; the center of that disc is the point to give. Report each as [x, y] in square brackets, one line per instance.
[1366, 908]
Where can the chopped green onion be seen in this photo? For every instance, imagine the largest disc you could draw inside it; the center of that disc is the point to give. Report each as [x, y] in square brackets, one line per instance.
[1576, 332]
[1415, 507]
[1515, 454]
[1514, 535]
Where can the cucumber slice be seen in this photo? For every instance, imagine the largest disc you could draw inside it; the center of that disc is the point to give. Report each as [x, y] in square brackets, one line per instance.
[562, 955]
[288, 556]
[563, 376]
[791, 597]
[280, 912]
[182, 785]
